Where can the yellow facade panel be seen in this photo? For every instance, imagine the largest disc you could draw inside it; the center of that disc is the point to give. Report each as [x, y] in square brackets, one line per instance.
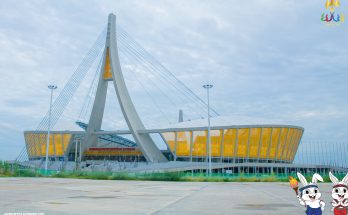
[36, 147]
[199, 143]
[28, 141]
[229, 142]
[274, 142]
[58, 144]
[41, 140]
[288, 142]
[254, 142]
[283, 136]
[265, 142]
[66, 141]
[31, 149]
[215, 140]
[33, 145]
[298, 139]
[295, 145]
[291, 144]
[242, 144]
[183, 143]
[51, 149]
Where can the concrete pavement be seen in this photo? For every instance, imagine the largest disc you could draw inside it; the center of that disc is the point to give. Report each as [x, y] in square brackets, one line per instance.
[76, 196]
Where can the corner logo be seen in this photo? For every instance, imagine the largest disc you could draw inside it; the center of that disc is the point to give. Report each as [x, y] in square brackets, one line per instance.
[332, 18]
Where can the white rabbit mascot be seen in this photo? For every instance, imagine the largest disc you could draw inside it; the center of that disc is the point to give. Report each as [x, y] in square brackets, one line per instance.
[339, 195]
[309, 195]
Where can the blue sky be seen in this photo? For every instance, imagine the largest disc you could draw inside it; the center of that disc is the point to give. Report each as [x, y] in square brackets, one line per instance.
[269, 61]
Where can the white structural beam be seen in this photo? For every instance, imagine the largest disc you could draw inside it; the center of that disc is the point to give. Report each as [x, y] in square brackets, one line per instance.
[143, 140]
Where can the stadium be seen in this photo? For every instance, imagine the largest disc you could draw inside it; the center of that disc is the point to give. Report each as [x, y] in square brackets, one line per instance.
[188, 146]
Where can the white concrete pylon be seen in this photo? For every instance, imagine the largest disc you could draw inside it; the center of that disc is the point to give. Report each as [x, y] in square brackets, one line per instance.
[111, 71]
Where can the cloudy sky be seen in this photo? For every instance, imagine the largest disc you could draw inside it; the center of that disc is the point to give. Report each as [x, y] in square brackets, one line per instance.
[269, 60]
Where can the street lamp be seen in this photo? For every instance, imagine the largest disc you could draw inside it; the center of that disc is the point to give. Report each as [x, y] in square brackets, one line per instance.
[51, 87]
[77, 160]
[76, 142]
[209, 86]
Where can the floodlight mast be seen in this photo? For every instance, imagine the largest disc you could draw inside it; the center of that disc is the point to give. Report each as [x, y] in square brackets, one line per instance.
[51, 87]
[208, 87]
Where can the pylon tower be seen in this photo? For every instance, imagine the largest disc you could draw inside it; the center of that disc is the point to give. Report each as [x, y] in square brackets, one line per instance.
[111, 72]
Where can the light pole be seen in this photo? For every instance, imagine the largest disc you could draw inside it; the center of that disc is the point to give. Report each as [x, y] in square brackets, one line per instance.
[51, 87]
[209, 86]
[80, 153]
[76, 142]
[77, 160]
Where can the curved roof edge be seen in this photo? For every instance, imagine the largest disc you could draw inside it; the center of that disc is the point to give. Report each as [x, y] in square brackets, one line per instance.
[161, 130]
[218, 127]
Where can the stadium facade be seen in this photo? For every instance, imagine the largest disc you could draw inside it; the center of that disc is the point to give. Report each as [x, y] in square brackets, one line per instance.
[254, 143]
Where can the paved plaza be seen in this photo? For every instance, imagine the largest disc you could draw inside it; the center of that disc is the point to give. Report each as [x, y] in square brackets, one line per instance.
[76, 196]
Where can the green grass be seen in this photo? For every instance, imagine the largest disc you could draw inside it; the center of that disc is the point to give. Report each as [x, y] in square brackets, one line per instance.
[120, 176]
[7, 170]
[172, 176]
